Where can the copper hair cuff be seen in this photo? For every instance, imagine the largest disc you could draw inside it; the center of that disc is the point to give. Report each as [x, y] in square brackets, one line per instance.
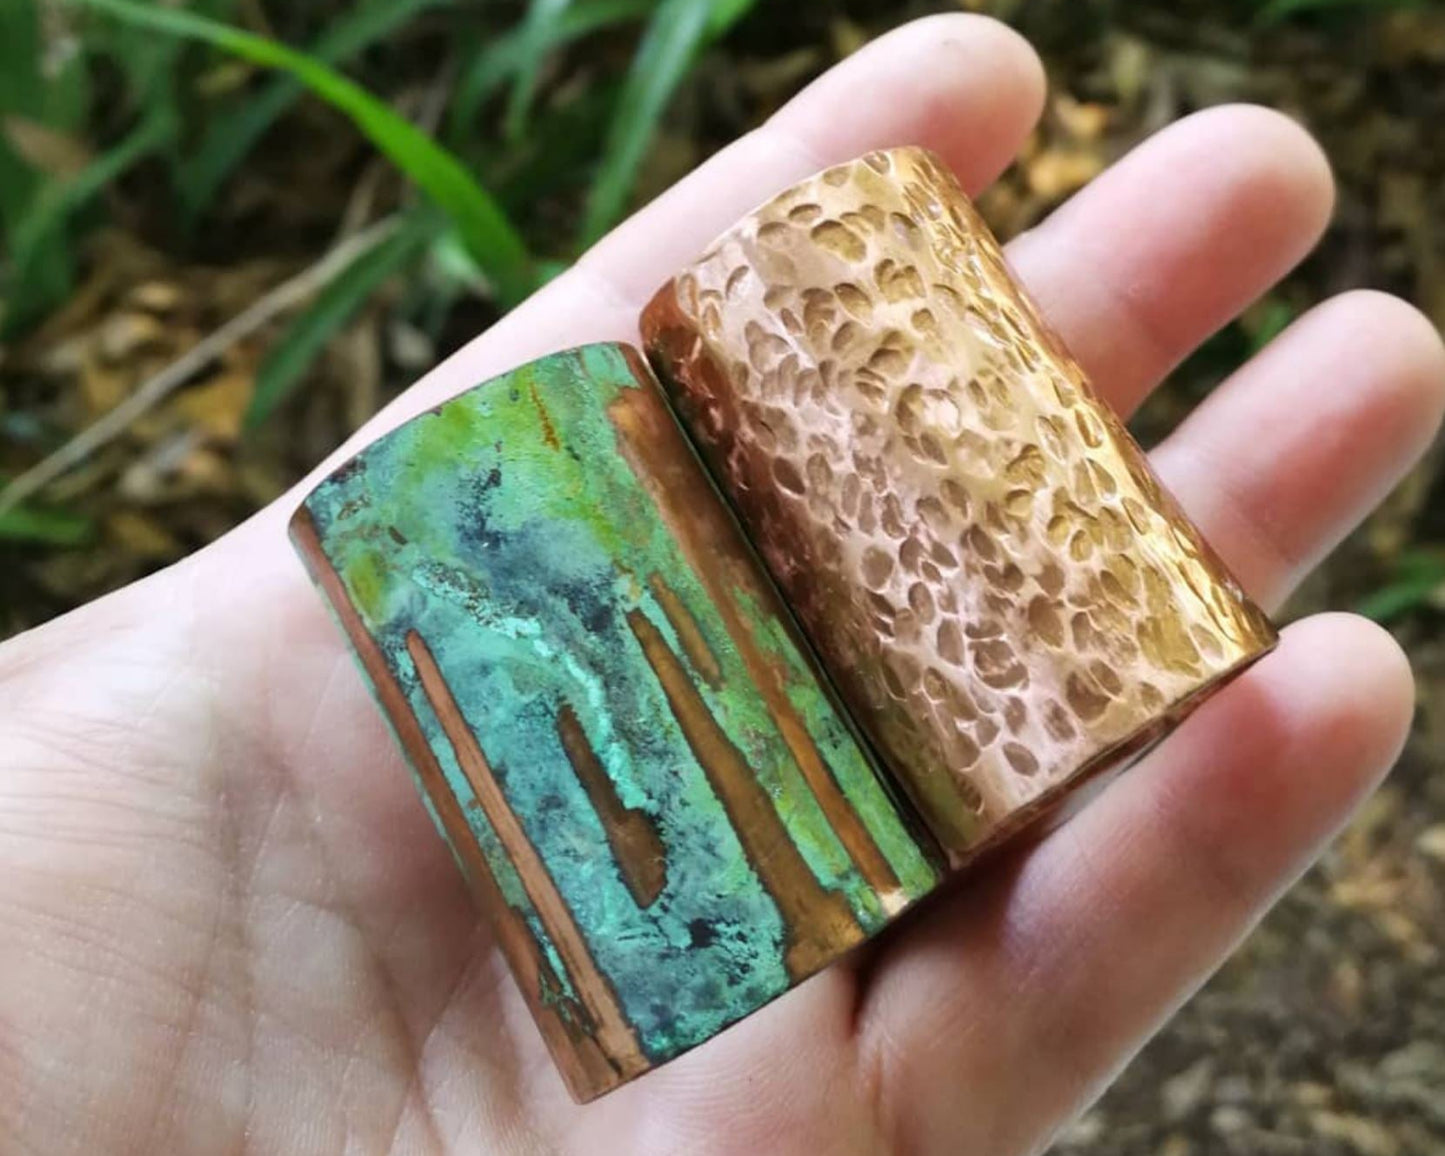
[701, 695]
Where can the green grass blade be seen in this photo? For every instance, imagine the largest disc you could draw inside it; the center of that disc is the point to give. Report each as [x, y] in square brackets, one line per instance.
[539, 32]
[1419, 578]
[52, 92]
[230, 137]
[45, 527]
[676, 33]
[1274, 11]
[56, 99]
[298, 348]
[488, 233]
[497, 61]
[1275, 317]
[40, 273]
[726, 13]
[21, 52]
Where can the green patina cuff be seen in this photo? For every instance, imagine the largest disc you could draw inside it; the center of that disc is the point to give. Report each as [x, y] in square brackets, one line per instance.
[609, 712]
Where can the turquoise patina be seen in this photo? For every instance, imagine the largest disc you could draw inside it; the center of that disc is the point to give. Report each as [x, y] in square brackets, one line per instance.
[673, 819]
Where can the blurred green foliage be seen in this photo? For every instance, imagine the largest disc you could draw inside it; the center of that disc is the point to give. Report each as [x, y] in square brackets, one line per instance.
[92, 89]
[125, 70]
[48, 527]
[1418, 579]
[146, 57]
[1271, 11]
[46, 99]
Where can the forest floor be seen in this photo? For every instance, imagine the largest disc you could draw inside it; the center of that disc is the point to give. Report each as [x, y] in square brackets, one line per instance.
[1326, 1033]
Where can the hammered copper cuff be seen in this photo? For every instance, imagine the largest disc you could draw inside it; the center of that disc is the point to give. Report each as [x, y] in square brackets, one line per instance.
[992, 575]
[610, 715]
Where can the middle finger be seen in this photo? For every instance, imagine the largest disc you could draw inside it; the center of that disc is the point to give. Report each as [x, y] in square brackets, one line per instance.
[1175, 240]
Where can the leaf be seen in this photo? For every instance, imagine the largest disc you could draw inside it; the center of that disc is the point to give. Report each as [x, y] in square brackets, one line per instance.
[1275, 11]
[52, 151]
[287, 362]
[1419, 576]
[677, 31]
[41, 273]
[20, 55]
[45, 527]
[499, 59]
[726, 13]
[559, 154]
[230, 137]
[488, 233]
[1273, 317]
[537, 36]
[34, 83]
[151, 64]
[35, 102]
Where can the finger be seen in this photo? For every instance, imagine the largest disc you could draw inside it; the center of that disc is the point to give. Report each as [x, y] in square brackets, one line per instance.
[1334, 411]
[1174, 240]
[964, 85]
[1030, 987]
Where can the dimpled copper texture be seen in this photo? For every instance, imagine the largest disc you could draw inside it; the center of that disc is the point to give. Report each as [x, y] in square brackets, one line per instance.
[1007, 599]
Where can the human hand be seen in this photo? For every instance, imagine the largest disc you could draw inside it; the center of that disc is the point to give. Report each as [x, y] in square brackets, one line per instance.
[225, 922]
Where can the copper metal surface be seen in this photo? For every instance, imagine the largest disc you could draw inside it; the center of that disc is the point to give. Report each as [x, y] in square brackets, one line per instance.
[653, 792]
[1006, 598]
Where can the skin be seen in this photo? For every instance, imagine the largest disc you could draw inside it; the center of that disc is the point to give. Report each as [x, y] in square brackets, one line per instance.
[226, 925]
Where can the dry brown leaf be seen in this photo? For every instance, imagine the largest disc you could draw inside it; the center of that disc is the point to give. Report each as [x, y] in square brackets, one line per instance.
[157, 296]
[55, 153]
[205, 471]
[141, 535]
[1055, 173]
[102, 386]
[1081, 120]
[1432, 842]
[1130, 63]
[1365, 1136]
[846, 36]
[1413, 34]
[217, 407]
[1369, 892]
[125, 335]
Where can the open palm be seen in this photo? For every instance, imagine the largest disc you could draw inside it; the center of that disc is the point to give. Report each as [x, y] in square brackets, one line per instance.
[226, 925]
